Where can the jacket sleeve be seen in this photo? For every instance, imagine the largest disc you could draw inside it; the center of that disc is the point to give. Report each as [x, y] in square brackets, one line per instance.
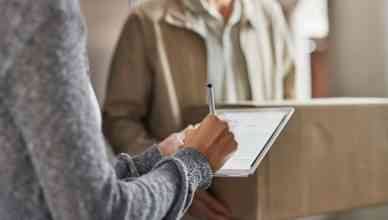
[287, 62]
[129, 90]
[289, 80]
[49, 97]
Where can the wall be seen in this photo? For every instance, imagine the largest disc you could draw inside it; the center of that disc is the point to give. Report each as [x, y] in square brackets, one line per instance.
[104, 20]
[385, 18]
[358, 48]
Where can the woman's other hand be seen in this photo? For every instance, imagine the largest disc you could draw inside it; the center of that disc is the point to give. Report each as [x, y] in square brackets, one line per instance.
[171, 144]
[174, 142]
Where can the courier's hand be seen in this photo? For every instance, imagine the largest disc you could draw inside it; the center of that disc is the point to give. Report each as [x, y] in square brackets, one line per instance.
[205, 206]
[213, 139]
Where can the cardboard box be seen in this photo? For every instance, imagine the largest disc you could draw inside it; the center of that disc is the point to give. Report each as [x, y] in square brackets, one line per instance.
[332, 156]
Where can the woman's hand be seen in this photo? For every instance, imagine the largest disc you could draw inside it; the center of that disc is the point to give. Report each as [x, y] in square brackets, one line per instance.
[171, 144]
[174, 142]
[213, 139]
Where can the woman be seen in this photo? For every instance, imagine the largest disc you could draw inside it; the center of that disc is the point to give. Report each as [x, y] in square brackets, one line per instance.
[53, 163]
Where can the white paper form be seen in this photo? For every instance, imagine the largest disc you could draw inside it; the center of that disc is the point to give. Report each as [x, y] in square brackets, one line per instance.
[252, 131]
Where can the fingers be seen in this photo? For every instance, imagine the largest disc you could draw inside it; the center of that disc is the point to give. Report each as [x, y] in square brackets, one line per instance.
[208, 132]
[231, 143]
[188, 129]
[218, 127]
[222, 151]
[189, 134]
[178, 138]
[215, 121]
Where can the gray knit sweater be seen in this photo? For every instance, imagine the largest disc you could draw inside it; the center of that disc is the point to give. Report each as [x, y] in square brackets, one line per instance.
[53, 163]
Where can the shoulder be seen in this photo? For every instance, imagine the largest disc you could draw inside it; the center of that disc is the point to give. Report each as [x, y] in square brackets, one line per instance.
[152, 10]
[15, 23]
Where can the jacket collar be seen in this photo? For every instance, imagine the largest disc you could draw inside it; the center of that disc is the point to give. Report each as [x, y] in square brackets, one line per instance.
[177, 13]
[174, 13]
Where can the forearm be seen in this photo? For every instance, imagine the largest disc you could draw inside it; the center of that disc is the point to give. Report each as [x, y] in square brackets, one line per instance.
[169, 176]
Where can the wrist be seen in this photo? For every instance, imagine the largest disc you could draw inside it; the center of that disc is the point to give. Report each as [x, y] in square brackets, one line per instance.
[199, 170]
[145, 161]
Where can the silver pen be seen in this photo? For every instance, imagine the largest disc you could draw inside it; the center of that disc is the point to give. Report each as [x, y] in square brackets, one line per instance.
[211, 99]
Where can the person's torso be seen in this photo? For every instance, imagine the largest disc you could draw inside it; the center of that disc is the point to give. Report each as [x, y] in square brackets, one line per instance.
[226, 64]
[181, 53]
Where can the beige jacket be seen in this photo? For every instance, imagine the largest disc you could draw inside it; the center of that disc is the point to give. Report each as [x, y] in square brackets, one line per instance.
[159, 68]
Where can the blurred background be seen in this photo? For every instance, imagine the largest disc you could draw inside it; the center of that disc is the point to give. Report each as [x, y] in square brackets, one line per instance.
[350, 41]
[342, 45]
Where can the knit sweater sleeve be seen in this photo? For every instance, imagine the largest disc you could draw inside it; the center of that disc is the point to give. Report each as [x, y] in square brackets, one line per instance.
[49, 96]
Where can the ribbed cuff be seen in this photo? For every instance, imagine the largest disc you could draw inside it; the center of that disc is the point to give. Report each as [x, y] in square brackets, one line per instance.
[145, 161]
[125, 167]
[195, 174]
[200, 174]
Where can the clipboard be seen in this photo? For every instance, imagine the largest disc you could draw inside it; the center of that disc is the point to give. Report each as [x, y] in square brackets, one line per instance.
[256, 139]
